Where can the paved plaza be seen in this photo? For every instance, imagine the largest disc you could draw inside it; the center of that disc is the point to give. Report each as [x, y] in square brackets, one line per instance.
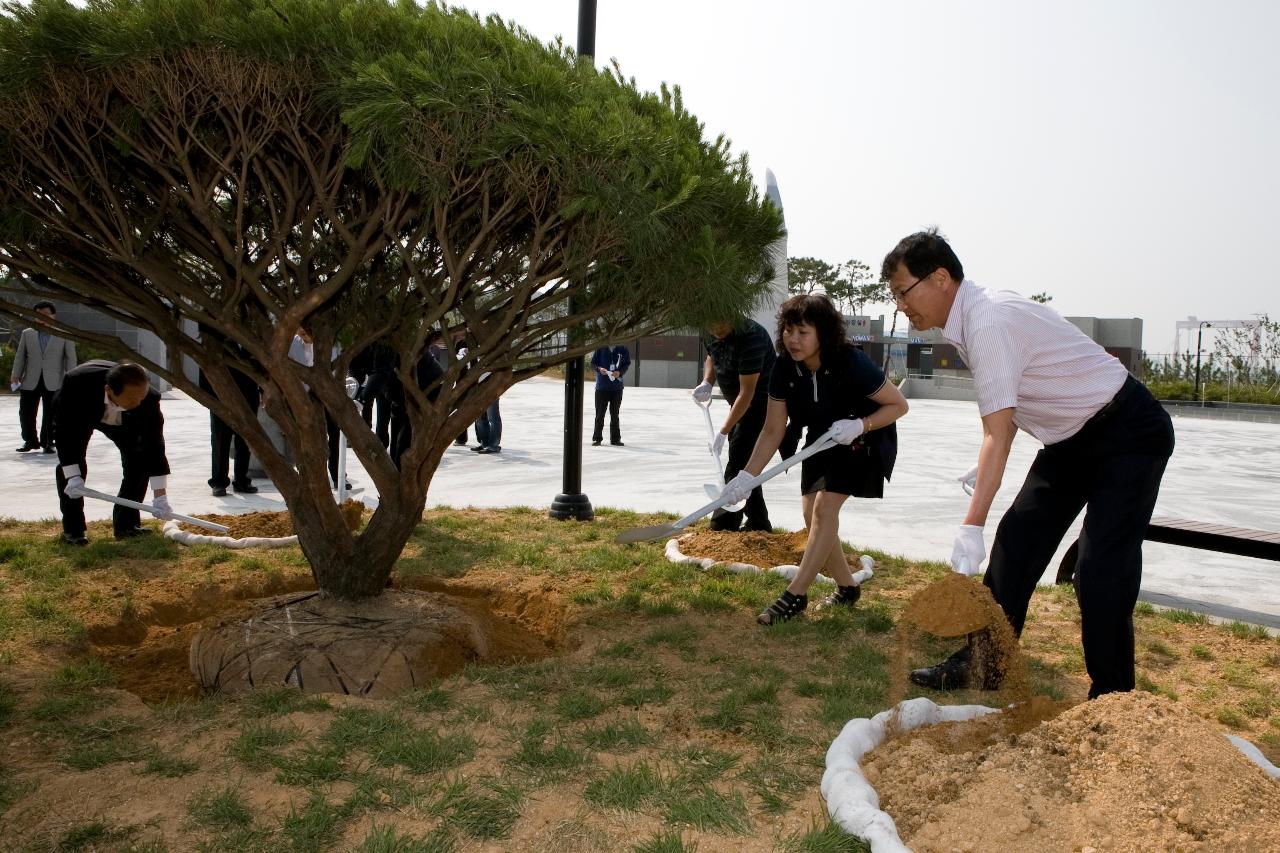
[1224, 472]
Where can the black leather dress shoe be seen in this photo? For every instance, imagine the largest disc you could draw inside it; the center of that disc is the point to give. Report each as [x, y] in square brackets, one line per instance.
[133, 533]
[617, 444]
[219, 491]
[49, 448]
[73, 539]
[760, 526]
[27, 448]
[244, 488]
[951, 674]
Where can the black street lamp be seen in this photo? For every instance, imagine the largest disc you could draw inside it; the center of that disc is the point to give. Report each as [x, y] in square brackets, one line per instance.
[1199, 332]
[572, 504]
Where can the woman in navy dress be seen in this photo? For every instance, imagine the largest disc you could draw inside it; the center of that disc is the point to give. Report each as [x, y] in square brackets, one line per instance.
[823, 381]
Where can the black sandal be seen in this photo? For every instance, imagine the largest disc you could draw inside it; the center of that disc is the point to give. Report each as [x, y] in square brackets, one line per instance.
[788, 606]
[846, 596]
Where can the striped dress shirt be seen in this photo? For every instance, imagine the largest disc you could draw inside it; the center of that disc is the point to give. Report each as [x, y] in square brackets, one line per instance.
[1026, 357]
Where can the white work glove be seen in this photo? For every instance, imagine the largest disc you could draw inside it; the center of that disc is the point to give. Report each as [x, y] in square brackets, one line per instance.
[969, 480]
[738, 489]
[702, 394]
[968, 552]
[74, 487]
[162, 509]
[717, 444]
[847, 431]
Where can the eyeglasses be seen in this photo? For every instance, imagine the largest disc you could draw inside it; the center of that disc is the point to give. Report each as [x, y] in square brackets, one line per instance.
[901, 298]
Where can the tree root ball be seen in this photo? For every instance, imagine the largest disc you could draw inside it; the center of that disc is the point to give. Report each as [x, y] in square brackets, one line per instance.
[375, 648]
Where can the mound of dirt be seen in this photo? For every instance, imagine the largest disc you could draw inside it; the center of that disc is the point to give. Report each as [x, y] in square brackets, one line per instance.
[272, 525]
[375, 648]
[1127, 771]
[753, 548]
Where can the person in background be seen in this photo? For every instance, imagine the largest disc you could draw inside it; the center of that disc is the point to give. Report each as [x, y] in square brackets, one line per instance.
[823, 382]
[1106, 444]
[118, 401]
[610, 365]
[39, 364]
[740, 357]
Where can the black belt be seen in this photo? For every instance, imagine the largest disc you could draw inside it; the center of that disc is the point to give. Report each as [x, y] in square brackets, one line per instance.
[1127, 390]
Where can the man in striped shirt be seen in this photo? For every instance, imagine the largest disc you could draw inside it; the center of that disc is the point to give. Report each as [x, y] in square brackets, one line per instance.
[1107, 441]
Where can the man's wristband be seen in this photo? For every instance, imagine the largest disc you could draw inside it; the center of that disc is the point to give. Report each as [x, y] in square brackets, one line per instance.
[160, 481]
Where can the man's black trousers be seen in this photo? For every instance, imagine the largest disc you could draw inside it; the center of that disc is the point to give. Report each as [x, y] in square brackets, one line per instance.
[40, 398]
[221, 436]
[133, 484]
[1112, 469]
[742, 440]
[611, 399]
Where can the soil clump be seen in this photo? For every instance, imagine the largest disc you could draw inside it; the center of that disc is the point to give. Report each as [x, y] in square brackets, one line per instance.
[271, 525]
[1127, 771]
[754, 547]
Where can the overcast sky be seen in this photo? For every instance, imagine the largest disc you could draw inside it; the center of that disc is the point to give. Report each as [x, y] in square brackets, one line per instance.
[1121, 156]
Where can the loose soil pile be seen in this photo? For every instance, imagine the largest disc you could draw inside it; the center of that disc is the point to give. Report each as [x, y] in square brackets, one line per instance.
[753, 547]
[1127, 771]
[272, 525]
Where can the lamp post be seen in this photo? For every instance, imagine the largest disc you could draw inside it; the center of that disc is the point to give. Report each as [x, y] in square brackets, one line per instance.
[1199, 333]
[571, 503]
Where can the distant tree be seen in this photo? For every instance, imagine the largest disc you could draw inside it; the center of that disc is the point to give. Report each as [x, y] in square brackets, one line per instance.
[1250, 353]
[371, 170]
[1041, 297]
[807, 275]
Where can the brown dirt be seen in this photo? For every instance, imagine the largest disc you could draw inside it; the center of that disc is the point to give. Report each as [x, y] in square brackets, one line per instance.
[753, 547]
[270, 524]
[1128, 771]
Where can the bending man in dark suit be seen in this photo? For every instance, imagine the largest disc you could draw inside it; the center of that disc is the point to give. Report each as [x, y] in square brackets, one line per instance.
[118, 401]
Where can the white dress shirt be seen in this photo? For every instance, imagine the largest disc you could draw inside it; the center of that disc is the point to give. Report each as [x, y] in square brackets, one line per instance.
[1025, 356]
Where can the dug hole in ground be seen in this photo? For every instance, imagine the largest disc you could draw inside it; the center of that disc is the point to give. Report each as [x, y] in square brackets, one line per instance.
[1127, 771]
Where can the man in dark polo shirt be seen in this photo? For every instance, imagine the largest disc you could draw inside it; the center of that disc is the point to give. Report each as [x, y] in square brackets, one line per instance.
[740, 357]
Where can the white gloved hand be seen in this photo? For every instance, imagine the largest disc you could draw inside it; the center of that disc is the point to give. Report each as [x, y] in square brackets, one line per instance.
[702, 394]
[162, 509]
[969, 480]
[717, 444]
[968, 552]
[738, 489]
[846, 431]
[74, 487]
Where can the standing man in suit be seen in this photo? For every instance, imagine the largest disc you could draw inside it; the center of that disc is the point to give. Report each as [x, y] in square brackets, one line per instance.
[118, 401]
[40, 363]
[610, 364]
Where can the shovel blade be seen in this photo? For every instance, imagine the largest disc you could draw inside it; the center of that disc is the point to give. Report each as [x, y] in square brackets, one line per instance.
[644, 534]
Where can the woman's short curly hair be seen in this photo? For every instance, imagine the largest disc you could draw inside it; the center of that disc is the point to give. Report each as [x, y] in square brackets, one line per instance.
[817, 310]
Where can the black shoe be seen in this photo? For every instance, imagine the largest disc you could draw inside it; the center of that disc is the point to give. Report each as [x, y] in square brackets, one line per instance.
[844, 596]
[133, 533]
[27, 447]
[244, 488]
[333, 487]
[490, 448]
[49, 448]
[479, 448]
[788, 606]
[73, 539]
[596, 442]
[761, 526]
[219, 491]
[617, 444]
[460, 443]
[728, 521]
[951, 674]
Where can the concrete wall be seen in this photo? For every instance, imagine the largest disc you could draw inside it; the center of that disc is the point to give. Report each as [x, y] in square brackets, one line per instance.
[938, 387]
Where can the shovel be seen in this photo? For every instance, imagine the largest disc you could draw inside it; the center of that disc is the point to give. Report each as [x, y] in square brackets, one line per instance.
[657, 531]
[198, 522]
[713, 490]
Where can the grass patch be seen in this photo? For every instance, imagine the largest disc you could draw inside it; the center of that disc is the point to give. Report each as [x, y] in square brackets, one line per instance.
[169, 766]
[219, 810]
[542, 760]
[1245, 631]
[384, 839]
[828, 838]
[1200, 652]
[1231, 718]
[314, 827]
[277, 703]
[580, 705]
[624, 736]
[482, 811]
[256, 747]
[1183, 617]
[666, 842]
[629, 788]
[709, 810]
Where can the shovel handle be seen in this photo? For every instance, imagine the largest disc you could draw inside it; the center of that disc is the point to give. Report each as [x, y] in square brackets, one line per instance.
[198, 522]
[824, 441]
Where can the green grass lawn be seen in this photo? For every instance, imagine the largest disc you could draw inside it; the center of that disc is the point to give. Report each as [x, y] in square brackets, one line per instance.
[667, 720]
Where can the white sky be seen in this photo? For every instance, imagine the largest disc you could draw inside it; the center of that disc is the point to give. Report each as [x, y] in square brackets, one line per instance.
[1123, 156]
